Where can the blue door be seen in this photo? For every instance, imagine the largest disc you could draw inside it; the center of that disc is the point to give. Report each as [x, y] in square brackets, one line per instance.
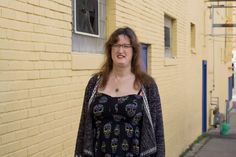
[230, 87]
[144, 56]
[204, 96]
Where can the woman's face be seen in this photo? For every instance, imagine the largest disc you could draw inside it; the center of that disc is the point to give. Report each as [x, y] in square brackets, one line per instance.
[122, 52]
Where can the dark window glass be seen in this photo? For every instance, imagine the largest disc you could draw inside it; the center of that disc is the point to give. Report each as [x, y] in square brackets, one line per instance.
[87, 16]
[167, 36]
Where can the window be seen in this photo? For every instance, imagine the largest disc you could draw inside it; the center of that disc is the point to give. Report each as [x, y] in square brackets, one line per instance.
[86, 17]
[144, 55]
[193, 37]
[89, 23]
[170, 37]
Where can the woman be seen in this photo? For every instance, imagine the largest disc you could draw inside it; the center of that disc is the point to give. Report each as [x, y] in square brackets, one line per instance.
[121, 114]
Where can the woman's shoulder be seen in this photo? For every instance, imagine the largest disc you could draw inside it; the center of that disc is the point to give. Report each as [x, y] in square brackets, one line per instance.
[93, 80]
[148, 80]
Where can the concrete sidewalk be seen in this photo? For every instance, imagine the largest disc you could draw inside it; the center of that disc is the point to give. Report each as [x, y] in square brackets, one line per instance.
[220, 145]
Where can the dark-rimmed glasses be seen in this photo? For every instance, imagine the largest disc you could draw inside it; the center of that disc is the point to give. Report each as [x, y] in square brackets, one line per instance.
[124, 46]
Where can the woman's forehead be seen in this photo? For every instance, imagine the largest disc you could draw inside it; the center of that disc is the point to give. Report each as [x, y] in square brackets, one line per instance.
[123, 37]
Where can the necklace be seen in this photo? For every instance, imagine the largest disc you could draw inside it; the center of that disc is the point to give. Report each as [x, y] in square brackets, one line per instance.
[117, 82]
[117, 90]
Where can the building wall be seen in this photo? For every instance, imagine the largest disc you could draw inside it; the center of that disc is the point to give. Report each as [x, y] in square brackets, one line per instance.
[42, 82]
[219, 55]
[39, 92]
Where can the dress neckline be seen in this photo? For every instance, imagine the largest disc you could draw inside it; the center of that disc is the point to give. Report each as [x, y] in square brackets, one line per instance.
[138, 94]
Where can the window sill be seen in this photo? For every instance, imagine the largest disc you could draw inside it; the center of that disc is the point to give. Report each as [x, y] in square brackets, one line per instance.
[170, 61]
[86, 61]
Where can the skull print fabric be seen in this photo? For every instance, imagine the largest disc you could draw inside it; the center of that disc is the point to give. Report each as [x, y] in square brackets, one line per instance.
[117, 125]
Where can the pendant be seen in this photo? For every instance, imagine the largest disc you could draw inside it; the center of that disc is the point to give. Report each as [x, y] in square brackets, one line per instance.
[117, 90]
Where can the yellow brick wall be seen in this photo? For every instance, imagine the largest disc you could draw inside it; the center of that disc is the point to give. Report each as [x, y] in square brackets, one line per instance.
[39, 93]
[42, 82]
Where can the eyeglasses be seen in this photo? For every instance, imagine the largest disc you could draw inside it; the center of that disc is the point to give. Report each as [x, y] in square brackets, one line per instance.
[124, 46]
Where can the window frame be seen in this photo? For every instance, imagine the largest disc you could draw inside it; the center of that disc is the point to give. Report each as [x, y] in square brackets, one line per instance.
[171, 23]
[75, 22]
[193, 37]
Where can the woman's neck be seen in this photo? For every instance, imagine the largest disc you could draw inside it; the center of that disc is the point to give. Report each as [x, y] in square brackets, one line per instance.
[121, 72]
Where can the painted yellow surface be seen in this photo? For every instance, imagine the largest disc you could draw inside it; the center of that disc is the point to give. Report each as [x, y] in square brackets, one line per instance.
[42, 81]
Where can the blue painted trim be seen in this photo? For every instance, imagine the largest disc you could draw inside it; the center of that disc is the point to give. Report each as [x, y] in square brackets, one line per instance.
[144, 56]
[204, 96]
[230, 88]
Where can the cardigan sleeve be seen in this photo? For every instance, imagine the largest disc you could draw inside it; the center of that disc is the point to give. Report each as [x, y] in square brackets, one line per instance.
[157, 118]
[80, 135]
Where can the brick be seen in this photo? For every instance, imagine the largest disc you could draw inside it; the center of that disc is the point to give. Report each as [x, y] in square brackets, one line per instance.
[13, 116]
[31, 122]
[53, 149]
[35, 19]
[5, 86]
[3, 33]
[32, 75]
[14, 136]
[8, 13]
[38, 29]
[33, 149]
[46, 125]
[13, 75]
[21, 16]
[63, 113]
[33, 112]
[58, 65]
[65, 120]
[67, 65]
[17, 35]
[34, 2]
[16, 65]
[16, 55]
[8, 148]
[39, 47]
[20, 153]
[2, 107]
[45, 74]
[47, 109]
[41, 101]
[9, 127]
[16, 25]
[57, 48]
[4, 3]
[17, 105]
[53, 56]
[56, 154]
[54, 31]
[48, 118]
[39, 11]
[21, 85]
[46, 91]
[33, 93]
[39, 65]
[67, 17]
[14, 95]
[68, 143]
[33, 131]
[18, 45]
[48, 65]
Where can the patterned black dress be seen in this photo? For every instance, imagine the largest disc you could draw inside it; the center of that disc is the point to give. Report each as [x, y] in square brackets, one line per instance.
[118, 122]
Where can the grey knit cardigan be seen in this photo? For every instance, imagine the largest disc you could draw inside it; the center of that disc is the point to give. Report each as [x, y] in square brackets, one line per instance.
[152, 133]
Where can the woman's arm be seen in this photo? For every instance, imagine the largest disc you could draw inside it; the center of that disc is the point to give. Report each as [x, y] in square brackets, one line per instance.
[80, 135]
[157, 118]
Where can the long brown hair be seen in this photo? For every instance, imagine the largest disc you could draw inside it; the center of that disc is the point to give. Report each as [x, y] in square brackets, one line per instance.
[136, 67]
